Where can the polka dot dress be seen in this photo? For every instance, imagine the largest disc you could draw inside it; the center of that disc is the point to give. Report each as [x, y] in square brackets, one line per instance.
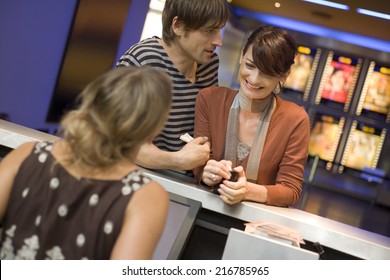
[53, 215]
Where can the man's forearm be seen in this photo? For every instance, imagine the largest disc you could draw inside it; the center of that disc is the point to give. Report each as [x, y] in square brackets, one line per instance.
[152, 157]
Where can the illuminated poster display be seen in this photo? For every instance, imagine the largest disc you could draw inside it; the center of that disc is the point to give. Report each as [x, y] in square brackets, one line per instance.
[303, 71]
[375, 98]
[363, 147]
[325, 136]
[338, 80]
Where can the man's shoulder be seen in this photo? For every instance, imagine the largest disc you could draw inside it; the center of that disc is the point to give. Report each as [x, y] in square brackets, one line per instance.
[150, 45]
[147, 51]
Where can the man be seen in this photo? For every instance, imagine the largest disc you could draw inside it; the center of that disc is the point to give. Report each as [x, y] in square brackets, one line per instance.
[186, 51]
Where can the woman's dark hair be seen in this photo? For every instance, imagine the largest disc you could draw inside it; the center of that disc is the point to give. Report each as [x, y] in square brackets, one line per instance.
[273, 50]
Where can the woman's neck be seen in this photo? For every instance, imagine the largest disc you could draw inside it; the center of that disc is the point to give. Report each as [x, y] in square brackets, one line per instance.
[254, 105]
[61, 152]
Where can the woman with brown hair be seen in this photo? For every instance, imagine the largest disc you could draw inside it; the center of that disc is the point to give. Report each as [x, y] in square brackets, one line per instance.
[253, 131]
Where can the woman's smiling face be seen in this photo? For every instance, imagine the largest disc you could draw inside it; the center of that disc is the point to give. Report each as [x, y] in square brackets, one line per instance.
[253, 83]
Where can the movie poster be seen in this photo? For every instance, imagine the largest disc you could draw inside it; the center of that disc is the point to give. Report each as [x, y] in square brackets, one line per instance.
[300, 72]
[363, 147]
[338, 81]
[325, 136]
[377, 98]
[339, 78]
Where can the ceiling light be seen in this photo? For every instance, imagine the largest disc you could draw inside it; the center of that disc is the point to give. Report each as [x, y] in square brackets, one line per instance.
[373, 14]
[329, 4]
[316, 30]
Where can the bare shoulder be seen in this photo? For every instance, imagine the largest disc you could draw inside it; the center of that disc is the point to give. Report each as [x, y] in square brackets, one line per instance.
[154, 192]
[18, 155]
[143, 223]
[152, 199]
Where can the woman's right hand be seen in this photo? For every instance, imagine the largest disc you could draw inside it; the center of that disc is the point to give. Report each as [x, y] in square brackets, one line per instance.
[234, 192]
[216, 171]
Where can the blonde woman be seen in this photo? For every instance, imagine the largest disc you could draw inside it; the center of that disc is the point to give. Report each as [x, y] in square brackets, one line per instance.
[83, 197]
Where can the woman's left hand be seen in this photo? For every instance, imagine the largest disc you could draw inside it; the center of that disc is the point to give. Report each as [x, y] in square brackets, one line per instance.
[234, 192]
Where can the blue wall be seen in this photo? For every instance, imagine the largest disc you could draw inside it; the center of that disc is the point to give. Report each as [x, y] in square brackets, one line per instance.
[33, 39]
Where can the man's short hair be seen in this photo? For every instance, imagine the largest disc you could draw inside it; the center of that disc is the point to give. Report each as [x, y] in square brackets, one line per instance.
[193, 14]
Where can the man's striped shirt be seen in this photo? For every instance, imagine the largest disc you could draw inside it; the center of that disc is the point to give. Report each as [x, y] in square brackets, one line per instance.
[182, 113]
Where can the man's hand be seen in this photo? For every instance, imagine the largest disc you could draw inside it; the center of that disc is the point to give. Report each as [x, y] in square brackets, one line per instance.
[195, 153]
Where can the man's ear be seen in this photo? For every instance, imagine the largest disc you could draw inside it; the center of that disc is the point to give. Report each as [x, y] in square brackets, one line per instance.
[177, 26]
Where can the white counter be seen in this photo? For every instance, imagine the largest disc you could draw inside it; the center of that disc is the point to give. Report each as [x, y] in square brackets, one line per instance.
[351, 240]
[333, 234]
[13, 135]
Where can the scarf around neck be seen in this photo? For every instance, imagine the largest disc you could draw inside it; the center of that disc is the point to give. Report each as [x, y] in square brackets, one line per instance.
[265, 106]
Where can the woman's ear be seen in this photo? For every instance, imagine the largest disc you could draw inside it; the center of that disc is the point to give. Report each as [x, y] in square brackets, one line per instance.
[284, 77]
[177, 26]
[241, 56]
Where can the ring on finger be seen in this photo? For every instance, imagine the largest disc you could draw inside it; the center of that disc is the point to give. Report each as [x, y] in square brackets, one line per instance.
[213, 177]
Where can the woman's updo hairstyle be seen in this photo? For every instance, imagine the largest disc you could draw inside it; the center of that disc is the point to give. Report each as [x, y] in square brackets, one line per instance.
[119, 111]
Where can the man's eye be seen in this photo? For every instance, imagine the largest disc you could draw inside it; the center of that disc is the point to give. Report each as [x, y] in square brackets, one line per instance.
[211, 31]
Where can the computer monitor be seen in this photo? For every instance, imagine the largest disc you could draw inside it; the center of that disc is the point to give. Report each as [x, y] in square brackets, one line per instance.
[180, 222]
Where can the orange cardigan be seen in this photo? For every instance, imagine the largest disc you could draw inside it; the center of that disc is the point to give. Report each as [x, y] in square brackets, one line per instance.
[285, 149]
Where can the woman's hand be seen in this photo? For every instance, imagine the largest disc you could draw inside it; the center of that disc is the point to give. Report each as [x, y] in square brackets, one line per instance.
[234, 192]
[216, 171]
